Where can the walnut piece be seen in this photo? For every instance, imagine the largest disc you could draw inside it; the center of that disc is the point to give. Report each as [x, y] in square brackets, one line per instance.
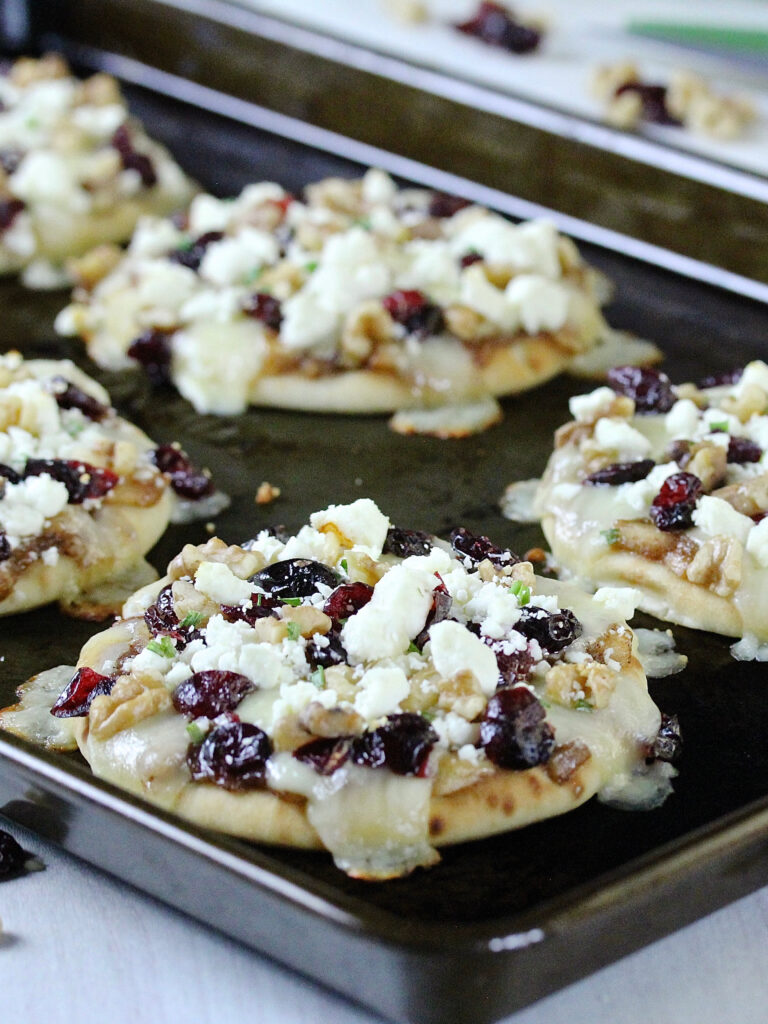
[133, 698]
[590, 682]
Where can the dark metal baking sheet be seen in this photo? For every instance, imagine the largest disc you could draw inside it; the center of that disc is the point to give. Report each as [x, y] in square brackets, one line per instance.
[499, 922]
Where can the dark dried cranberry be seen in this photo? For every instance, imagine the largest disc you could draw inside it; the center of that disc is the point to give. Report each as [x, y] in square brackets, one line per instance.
[404, 543]
[233, 755]
[439, 610]
[478, 548]
[469, 258]
[415, 312]
[191, 256]
[152, 350]
[621, 473]
[680, 452]
[669, 740]
[10, 474]
[325, 754]
[514, 732]
[12, 856]
[650, 390]
[71, 397]
[514, 666]
[186, 480]
[5, 547]
[264, 307]
[741, 450]
[10, 159]
[261, 607]
[723, 379]
[324, 655]
[654, 101]
[161, 616]
[82, 480]
[211, 693]
[295, 577]
[672, 508]
[443, 204]
[553, 630]
[496, 25]
[131, 159]
[402, 744]
[348, 599]
[76, 699]
[9, 211]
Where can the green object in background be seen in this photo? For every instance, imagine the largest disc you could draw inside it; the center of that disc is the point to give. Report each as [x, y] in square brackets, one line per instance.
[712, 37]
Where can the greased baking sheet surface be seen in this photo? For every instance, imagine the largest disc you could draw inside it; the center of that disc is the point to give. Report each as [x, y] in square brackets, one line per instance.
[432, 485]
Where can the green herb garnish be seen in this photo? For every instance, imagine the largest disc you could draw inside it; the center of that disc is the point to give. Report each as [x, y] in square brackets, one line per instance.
[164, 647]
[363, 222]
[294, 632]
[344, 565]
[583, 705]
[195, 733]
[522, 592]
[254, 275]
[192, 619]
[721, 427]
[294, 602]
[610, 536]
[311, 267]
[318, 677]
[412, 648]
[430, 714]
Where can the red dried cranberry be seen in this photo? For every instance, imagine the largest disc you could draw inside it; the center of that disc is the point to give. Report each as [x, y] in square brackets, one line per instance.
[621, 473]
[161, 617]
[469, 258]
[325, 754]
[211, 693]
[5, 547]
[12, 856]
[76, 699]
[131, 159]
[264, 307]
[233, 755]
[415, 312]
[514, 666]
[672, 508]
[554, 630]
[261, 607]
[496, 25]
[478, 548]
[741, 450]
[650, 389]
[71, 397]
[324, 655]
[654, 101]
[402, 744]
[348, 599]
[186, 480]
[443, 204]
[514, 732]
[152, 350]
[669, 740]
[295, 577]
[9, 211]
[10, 475]
[82, 480]
[404, 543]
[10, 159]
[191, 256]
[722, 379]
[439, 610]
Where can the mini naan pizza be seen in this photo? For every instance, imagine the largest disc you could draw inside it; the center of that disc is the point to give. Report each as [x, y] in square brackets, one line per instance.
[362, 688]
[363, 298]
[76, 170]
[665, 489]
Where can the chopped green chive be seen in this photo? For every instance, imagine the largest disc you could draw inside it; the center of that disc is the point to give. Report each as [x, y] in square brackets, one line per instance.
[311, 267]
[294, 632]
[254, 275]
[430, 714]
[185, 245]
[294, 602]
[195, 733]
[720, 427]
[363, 222]
[192, 619]
[413, 649]
[163, 646]
[610, 536]
[583, 705]
[344, 565]
[318, 677]
[521, 592]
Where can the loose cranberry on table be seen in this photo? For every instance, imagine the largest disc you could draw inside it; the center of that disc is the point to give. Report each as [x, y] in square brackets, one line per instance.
[13, 858]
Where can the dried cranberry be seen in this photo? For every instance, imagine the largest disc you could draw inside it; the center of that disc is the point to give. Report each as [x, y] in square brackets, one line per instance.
[514, 732]
[10, 475]
[621, 473]
[10, 159]
[71, 397]
[211, 693]
[722, 379]
[553, 630]
[514, 666]
[152, 350]
[654, 101]
[650, 389]
[741, 450]
[191, 256]
[680, 452]
[131, 159]
[478, 548]
[9, 211]
[233, 755]
[441, 606]
[348, 599]
[76, 699]
[324, 655]
[469, 258]
[82, 480]
[402, 744]
[264, 307]
[404, 543]
[669, 740]
[672, 508]
[186, 480]
[443, 204]
[161, 617]
[12, 856]
[415, 312]
[325, 754]
[295, 577]
[496, 25]
[261, 607]
[5, 547]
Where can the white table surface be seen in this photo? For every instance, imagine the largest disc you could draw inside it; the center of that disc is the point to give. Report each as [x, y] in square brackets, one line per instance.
[79, 947]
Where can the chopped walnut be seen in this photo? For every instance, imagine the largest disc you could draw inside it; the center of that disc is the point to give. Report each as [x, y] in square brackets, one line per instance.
[341, 679]
[362, 569]
[709, 462]
[569, 684]
[718, 565]
[309, 620]
[462, 694]
[607, 78]
[466, 323]
[270, 630]
[691, 392]
[288, 733]
[187, 598]
[752, 401]
[100, 90]
[338, 194]
[242, 563]
[366, 327]
[615, 644]
[133, 698]
[329, 722]
[267, 493]
[454, 773]
[566, 759]
[749, 497]
[89, 269]
[624, 110]
[27, 70]
[692, 101]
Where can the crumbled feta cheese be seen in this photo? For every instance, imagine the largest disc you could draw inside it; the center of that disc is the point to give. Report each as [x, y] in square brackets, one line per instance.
[395, 614]
[755, 373]
[479, 294]
[454, 649]
[542, 305]
[682, 420]
[757, 542]
[380, 692]
[717, 518]
[455, 731]
[586, 407]
[616, 435]
[360, 523]
[378, 187]
[217, 581]
[230, 260]
[619, 601]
